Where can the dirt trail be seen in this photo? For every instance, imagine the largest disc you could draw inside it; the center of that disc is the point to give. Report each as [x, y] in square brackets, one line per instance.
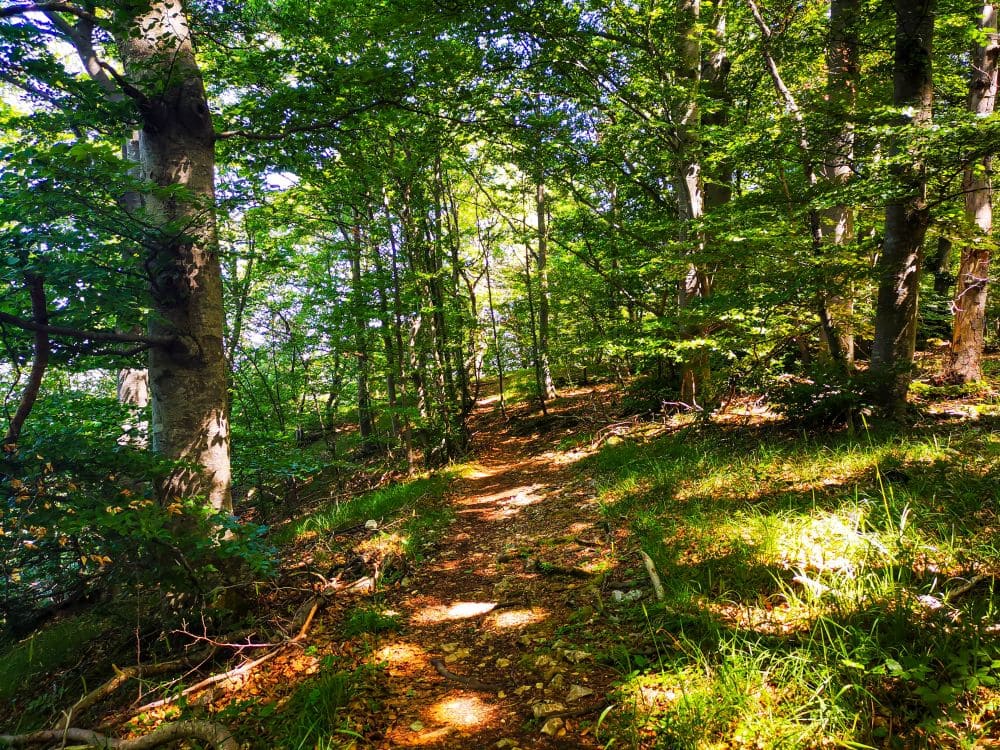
[506, 576]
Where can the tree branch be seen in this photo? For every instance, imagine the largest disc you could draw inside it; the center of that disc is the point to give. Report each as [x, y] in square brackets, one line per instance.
[209, 732]
[94, 336]
[36, 288]
[73, 10]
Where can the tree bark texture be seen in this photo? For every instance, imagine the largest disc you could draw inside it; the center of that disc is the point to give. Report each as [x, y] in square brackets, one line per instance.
[906, 217]
[837, 222]
[544, 365]
[188, 381]
[965, 364]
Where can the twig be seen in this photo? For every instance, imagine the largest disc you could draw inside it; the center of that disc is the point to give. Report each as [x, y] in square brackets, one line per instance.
[654, 577]
[469, 682]
[967, 586]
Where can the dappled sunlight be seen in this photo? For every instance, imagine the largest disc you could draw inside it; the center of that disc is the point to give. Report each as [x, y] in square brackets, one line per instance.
[400, 654]
[517, 618]
[445, 612]
[463, 712]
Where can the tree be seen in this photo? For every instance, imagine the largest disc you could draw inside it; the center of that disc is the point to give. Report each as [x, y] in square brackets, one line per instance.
[907, 214]
[965, 362]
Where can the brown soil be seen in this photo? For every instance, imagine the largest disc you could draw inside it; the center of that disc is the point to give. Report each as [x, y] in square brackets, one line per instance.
[508, 574]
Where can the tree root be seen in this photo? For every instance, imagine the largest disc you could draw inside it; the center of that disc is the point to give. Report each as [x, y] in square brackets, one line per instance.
[216, 735]
[551, 569]
[469, 682]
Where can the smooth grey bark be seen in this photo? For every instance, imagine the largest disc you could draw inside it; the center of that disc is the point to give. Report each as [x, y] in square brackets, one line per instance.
[188, 382]
[906, 217]
[968, 332]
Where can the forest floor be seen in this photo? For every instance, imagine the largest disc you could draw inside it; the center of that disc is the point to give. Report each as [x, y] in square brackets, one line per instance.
[827, 588]
[520, 565]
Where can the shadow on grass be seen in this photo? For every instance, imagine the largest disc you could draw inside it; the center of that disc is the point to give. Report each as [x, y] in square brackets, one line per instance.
[806, 585]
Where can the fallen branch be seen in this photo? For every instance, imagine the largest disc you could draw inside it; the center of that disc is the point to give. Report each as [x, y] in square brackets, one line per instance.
[313, 606]
[216, 735]
[469, 682]
[124, 675]
[654, 577]
[967, 586]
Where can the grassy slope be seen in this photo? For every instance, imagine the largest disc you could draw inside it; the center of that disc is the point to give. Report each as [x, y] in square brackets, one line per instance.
[808, 582]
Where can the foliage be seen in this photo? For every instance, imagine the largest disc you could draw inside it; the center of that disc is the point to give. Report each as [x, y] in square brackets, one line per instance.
[79, 516]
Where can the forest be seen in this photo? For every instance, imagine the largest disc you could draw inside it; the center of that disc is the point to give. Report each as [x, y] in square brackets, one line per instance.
[520, 374]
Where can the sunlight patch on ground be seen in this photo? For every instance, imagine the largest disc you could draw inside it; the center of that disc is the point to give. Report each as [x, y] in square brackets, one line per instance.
[457, 611]
[462, 713]
[400, 654]
[517, 618]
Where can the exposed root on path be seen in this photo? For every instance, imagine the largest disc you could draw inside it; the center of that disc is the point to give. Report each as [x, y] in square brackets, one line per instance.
[469, 682]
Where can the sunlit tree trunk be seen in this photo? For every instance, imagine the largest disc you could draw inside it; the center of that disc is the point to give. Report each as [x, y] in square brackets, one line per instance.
[689, 189]
[906, 218]
[188, 382]
[544, 365]
[837, 222]
[965, 364]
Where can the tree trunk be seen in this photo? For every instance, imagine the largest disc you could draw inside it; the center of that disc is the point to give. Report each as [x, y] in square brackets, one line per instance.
[906, 218]
[837, 222]
[366, 426]
[39, 360]
[544, 364]
[190, 421]
[965, 365]
[689, 188]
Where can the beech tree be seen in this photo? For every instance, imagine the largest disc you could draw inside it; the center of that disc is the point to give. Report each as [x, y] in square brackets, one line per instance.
[162, 81]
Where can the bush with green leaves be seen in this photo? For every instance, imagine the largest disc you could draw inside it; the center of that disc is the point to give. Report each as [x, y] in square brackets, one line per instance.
[78, 515]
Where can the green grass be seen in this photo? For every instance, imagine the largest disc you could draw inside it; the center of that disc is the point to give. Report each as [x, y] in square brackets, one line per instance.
[371, 620]
[317, 715]
[36, 659]
[379, 504]
[807, 586]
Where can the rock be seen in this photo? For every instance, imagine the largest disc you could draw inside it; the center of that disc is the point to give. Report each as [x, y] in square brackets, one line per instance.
[546, 708]
[576, 692]
[546, 666]
[554, 727]
[556, 683]
[575, 656]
